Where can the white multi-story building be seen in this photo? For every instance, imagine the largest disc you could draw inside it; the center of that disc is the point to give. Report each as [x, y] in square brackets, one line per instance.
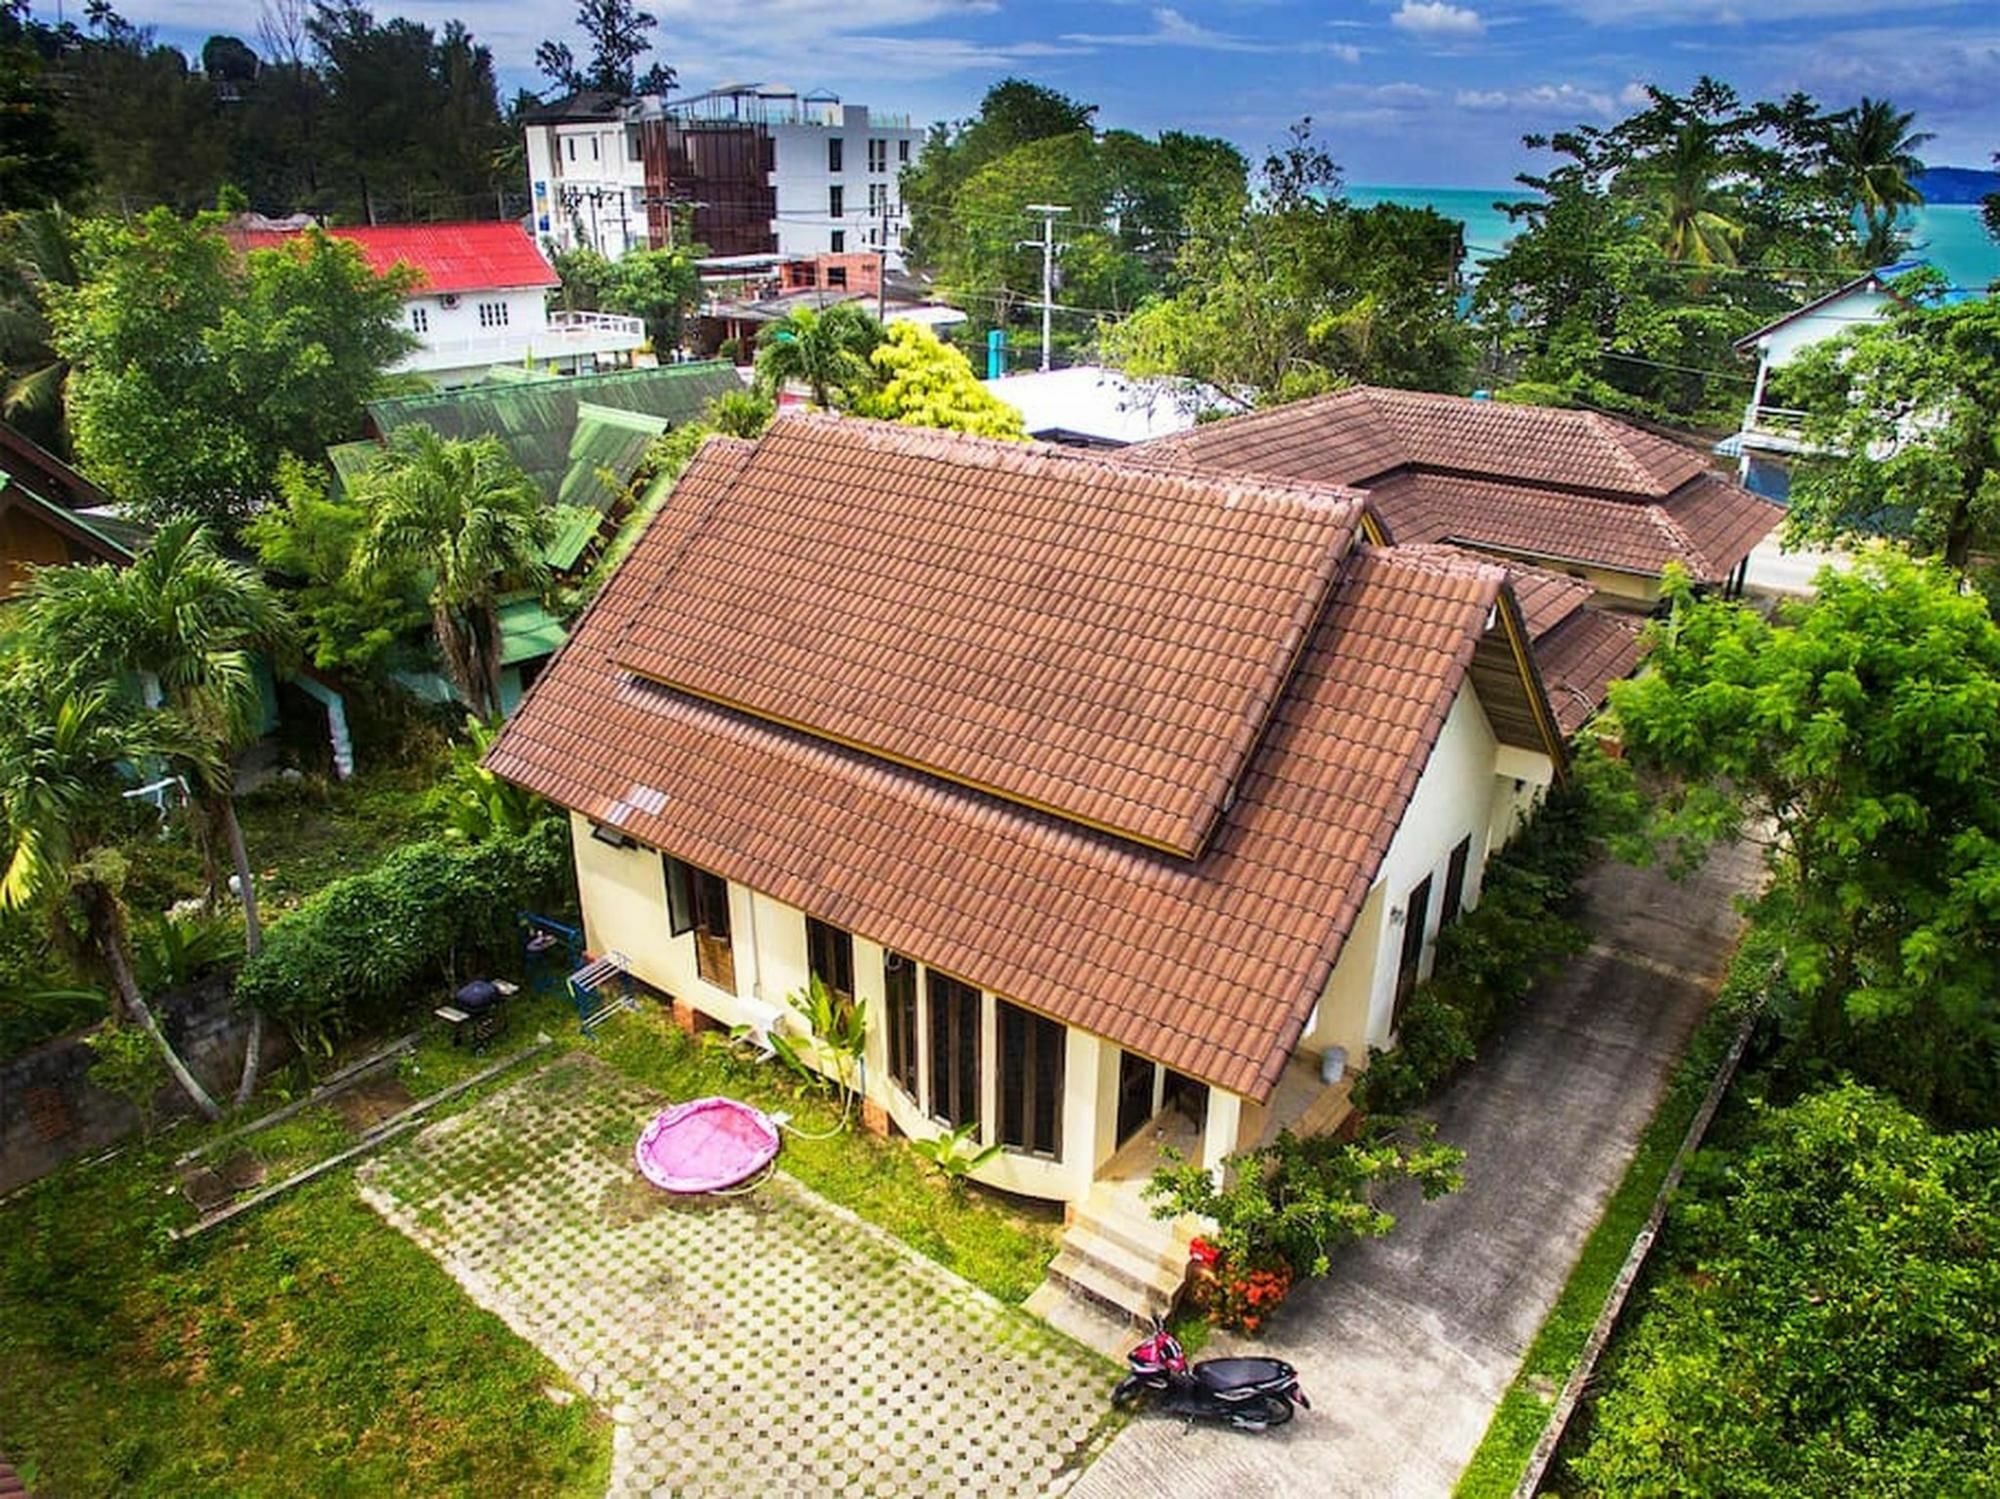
[481, 300]
[750, 169]
[585, 176]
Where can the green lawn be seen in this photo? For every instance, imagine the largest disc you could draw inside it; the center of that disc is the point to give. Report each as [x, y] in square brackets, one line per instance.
[306, 1348]
[1503, 1453]
[999, 1244]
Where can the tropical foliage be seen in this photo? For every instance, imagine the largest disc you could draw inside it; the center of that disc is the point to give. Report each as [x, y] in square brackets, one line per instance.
[366, 949]
[479, 806]
[829, 352]
[1655, 242]
[1862, 729]
[1903, 423]
[661, 286]
[333, 112]
[463, 511]
[1283, 1208]
[189, 403]
[1823, 1319]
[64, 756]
[925, 383]
[1295, 291]
[1130, 202]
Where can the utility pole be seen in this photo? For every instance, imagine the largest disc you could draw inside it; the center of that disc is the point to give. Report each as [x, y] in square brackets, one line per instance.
[882, 264]
[1047, 242]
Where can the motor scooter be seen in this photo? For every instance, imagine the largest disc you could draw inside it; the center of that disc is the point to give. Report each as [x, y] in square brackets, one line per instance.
[1251, 1394]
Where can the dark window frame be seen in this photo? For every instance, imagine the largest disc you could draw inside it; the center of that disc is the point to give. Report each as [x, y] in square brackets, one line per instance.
[830, 956]
[836, 154]
[698, 902]
[836, 200]
[957, 1019]
[1032, 1064]
[899, 1001]
[1410, 961]
[1454, 883]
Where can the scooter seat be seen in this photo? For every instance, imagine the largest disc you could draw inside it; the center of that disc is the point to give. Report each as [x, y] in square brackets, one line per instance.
[1223, 1376]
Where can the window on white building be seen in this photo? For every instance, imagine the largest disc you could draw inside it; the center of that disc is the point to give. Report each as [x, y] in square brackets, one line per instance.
[878, 156]
[836, 242]
[836, 201]
[593, 148]
[492, 314]
[420, 320]
[833, 149]
[570, 144]
[902, 153]
[878, 199]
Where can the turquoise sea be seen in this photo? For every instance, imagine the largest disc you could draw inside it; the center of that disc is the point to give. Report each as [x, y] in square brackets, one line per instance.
[1951, 237]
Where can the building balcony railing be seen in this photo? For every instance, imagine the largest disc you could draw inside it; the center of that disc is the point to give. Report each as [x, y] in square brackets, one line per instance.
[567, 334]
[1777, 421]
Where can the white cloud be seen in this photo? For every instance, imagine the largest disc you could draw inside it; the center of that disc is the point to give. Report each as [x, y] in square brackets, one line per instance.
[1438, 20]
[1559, 100]
[1634, 95]
[1172, 29]
[1730, 12]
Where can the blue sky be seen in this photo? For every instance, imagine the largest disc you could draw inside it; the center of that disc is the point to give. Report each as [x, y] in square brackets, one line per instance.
[1431, 92]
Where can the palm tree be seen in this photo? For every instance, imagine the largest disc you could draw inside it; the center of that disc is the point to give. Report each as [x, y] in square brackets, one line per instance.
[64, 758]
[37, 251]
[826, 351]
[1685, 209]
[192, 621]
[466, 511]
[1874, 153]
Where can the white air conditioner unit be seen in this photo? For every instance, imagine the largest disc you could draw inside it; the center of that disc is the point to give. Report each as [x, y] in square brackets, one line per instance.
[448, 300]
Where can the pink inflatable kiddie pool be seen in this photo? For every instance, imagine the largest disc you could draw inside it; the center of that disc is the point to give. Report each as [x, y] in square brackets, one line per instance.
[705, 1145]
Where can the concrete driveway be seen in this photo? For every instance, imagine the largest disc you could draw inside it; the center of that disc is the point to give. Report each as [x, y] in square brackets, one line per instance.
[1408, 1346]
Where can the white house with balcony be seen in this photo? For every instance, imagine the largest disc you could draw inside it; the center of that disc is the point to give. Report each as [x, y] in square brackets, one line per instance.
[481, 300]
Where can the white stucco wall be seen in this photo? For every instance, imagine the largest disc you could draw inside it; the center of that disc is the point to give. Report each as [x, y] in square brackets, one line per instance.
[624, 898]
[801, 178]
[1781, 346]
[595, 157]
[1460, 794]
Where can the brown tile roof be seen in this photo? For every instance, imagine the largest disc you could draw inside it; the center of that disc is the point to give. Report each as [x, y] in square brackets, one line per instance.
[1571, 485]
[1582, 656]
[1023, 647]
[1546, 598]
[1209, 964]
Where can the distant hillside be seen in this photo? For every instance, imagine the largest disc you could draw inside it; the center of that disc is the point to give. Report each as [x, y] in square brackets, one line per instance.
[1957, 184]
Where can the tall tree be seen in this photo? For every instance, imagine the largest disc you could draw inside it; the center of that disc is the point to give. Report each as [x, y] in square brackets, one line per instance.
[1903, 427]
[1863, 726]
[827, 352]
[1874, 151]
[37, 252]
[619, 35]
[477, 523]
[1295, 291]
[41, 163]
[64, 761]
[193, 621]
[276, 352]
[1687, 210]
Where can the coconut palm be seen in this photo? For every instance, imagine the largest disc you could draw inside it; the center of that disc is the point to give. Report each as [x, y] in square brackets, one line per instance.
[65, 756]
[476, 522]
[37, 251]
[188, 619]
[1874, 153]
[826, 351]
[1686, 211]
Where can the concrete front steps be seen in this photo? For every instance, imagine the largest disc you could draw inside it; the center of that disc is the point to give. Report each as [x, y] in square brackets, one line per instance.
[1116, 1270]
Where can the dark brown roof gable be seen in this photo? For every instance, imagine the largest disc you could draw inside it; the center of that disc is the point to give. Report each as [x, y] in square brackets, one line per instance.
[1208, 964]
[1083, 637]
[1531, 480]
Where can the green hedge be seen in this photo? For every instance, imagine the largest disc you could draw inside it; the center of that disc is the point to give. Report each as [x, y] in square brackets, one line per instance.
[370, 949]
[1489, 958]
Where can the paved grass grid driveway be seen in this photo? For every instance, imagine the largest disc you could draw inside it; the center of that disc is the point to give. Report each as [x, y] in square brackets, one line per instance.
[764, 1344]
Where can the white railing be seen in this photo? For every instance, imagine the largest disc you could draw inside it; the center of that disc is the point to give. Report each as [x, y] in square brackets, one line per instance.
[580, 323]
[1779, 421]
[567, 333]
